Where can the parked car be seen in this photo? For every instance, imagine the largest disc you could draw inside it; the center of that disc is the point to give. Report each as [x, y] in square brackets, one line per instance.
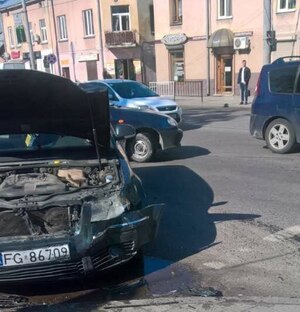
[275, 115]
[133, 94]
[70, 203]
[154, 131]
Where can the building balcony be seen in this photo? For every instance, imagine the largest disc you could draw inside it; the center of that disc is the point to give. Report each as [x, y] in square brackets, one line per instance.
[120, 39]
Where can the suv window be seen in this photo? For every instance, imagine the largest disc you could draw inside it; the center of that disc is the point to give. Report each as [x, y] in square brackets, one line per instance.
[282, 80]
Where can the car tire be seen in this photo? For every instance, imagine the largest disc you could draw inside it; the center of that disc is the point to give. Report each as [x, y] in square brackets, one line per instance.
[280, 136]
[142, 148]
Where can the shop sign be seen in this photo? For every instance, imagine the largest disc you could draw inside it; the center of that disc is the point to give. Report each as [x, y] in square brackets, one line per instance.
[87, 57]
[15, 54]
[174, 39]
[243, 34]
[64, 62]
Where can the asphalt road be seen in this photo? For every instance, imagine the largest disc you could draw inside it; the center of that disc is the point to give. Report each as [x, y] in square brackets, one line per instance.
[231, 224]
[232, 217]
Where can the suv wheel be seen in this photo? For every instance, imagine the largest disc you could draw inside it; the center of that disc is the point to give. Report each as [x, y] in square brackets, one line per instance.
[142, 147]
[280, 136]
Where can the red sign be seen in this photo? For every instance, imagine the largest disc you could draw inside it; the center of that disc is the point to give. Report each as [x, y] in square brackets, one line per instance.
[15, 54]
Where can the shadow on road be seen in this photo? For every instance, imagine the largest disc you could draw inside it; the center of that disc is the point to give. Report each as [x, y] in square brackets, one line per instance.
[187, 227]
[198, 118]
[183, 152]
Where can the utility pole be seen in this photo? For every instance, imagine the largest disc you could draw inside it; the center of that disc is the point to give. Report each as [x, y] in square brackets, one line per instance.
[101, 56]
[267, 26]
[31, 54]
[207, 48]
[55, 34]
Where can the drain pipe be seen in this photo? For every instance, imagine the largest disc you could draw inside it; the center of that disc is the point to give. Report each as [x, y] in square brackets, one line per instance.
[207, 48]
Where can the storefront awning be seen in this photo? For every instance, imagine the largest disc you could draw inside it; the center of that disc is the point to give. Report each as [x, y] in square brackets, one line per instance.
[221, 38]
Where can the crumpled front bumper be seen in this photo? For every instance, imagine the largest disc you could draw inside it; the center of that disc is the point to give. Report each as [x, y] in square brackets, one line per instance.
[116, 244]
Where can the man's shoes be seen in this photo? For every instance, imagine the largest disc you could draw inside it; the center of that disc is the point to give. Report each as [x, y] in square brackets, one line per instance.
[241, 103]
[246, 102]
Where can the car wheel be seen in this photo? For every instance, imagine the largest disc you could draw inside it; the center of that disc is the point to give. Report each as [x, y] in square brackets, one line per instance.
[280, 136]
[142, 147]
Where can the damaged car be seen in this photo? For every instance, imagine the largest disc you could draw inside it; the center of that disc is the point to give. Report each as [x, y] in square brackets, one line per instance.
[70, 204]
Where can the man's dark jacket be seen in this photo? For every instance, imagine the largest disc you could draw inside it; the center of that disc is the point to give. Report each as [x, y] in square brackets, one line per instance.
[247, 75]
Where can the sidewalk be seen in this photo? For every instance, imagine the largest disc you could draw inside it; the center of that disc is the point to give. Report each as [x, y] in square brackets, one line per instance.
[178, 304]
[213, 101]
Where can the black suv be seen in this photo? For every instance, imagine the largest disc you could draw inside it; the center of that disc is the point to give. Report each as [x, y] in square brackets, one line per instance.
[276, 107]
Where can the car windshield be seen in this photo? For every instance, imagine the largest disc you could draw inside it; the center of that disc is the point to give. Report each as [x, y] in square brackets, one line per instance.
[131, 90]
[11, 143]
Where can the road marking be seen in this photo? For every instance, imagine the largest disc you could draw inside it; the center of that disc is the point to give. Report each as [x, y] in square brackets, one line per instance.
[217, 265]
[285, 234]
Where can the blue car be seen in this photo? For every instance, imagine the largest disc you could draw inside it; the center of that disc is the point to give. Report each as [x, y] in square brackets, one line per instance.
[275, 115]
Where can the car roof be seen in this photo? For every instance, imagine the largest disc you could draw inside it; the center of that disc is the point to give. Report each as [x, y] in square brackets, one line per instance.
[108, 81]
[284, 61]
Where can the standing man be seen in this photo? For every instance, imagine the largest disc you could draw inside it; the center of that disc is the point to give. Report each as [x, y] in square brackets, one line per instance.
[243, 80]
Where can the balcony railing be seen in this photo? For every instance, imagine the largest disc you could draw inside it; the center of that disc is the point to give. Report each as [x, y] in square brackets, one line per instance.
[115, 39]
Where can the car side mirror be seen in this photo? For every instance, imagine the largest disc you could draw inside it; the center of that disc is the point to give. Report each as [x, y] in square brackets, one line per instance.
[124, 132]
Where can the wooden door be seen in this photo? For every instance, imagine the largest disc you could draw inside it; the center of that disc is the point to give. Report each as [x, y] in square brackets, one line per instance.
[224, 74]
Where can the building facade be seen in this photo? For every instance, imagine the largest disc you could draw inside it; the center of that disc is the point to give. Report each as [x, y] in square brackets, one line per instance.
[128, 35]
[207, 40]
[84, 39]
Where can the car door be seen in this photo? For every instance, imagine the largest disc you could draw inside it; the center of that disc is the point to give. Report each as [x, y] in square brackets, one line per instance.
[296, 106]
[282, 82]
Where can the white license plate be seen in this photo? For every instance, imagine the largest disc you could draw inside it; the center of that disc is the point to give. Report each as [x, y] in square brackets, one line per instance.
[47, 254]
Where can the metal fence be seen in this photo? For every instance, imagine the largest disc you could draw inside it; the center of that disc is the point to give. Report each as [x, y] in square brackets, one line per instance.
[193, 88]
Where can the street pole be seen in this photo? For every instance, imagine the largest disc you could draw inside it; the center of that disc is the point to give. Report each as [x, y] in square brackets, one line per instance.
[267, 25]
[73, 60]
[101, 56]
[56, 41]
[207, 48]
[31, 54]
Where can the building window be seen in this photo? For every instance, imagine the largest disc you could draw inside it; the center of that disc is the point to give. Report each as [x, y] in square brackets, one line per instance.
[177, 65]
[286, 5]
[43, 30]
[225, 8]
[11, 37]
[120, 18]
[151, 12]
[20, 34]
[176, 12]
[88, 23]
[62, 27]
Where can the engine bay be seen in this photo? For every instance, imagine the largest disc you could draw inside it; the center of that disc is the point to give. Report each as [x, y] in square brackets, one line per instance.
[46, 200]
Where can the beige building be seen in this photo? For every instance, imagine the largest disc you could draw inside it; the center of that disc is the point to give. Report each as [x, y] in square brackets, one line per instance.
[84, 39]
[129, 38]
[207, 40]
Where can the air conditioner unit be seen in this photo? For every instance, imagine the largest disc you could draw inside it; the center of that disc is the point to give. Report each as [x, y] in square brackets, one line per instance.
[240, 43]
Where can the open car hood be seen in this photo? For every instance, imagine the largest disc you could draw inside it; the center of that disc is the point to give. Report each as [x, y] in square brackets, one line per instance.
[37, 102]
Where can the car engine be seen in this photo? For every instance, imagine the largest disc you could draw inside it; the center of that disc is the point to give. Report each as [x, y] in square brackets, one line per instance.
[46, 200]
